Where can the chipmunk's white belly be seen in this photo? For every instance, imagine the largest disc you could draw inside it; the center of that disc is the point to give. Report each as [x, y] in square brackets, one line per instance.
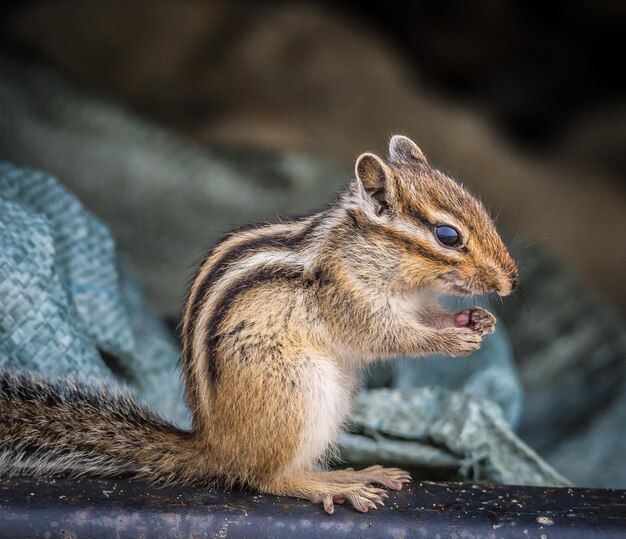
[327, 392]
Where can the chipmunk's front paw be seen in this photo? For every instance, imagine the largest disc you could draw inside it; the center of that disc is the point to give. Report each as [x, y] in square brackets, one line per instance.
[461, 341]
[477, 319]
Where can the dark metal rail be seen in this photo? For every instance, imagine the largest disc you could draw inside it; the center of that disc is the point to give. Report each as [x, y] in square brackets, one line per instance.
[94, 509]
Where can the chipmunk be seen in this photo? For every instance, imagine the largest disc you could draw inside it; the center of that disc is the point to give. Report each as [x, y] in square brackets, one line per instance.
[277, 323]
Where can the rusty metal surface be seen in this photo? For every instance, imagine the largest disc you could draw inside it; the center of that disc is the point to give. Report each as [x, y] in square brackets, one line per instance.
[96, 509]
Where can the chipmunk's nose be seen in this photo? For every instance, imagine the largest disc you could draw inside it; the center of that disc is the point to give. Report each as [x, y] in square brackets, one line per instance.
[508, 286]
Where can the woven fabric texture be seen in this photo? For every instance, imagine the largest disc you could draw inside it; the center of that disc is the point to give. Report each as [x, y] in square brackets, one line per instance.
[68, 308]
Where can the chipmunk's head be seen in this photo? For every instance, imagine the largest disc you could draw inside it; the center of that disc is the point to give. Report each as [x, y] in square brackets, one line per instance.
[440, 234]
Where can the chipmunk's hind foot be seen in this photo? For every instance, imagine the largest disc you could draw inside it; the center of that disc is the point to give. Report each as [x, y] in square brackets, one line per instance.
[313, 486]
[393, 478]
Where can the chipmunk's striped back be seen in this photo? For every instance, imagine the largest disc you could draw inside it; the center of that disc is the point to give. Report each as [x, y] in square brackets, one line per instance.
[243, 259]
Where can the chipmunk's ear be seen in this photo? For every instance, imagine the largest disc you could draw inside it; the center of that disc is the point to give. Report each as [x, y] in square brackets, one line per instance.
[374, 176]
[402, 148]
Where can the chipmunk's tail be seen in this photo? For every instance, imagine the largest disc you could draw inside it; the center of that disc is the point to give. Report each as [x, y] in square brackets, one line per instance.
[49, 429]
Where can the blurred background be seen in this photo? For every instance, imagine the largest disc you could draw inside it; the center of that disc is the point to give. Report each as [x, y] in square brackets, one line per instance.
[524, 102]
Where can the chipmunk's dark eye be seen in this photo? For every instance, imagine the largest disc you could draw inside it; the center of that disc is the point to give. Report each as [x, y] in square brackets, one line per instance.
[448, 235]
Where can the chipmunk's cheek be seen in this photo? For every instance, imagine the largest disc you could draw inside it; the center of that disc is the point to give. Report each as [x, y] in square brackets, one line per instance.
[448, 279]
[462, 319]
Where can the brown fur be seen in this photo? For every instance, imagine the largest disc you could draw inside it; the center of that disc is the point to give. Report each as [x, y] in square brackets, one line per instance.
[278, 320]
